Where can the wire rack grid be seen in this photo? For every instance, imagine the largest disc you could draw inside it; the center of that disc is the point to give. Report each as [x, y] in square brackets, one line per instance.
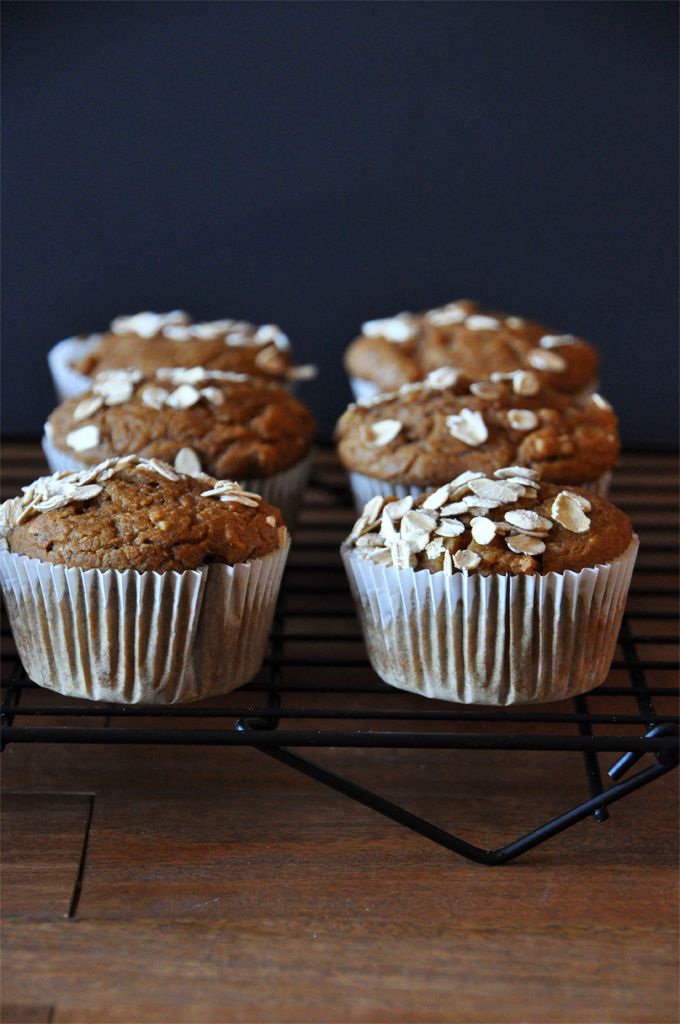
[317, 690]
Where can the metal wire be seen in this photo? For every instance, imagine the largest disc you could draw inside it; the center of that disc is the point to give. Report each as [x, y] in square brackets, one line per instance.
[316, 689]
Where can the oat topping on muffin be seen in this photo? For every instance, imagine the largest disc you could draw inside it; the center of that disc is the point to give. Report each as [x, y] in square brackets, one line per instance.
[400, 328]
[138, 513]
[427, 432]
[148, 324]
[403, 349]
[148, 341]
[229, 424]
[504, 522]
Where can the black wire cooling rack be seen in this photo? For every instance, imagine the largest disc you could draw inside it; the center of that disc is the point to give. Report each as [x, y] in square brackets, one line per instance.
[317, 690]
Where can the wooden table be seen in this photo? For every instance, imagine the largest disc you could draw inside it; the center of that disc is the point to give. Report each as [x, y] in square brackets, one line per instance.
[188, 884]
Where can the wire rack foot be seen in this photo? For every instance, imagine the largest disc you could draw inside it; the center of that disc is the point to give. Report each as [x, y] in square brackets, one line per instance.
[665, 761]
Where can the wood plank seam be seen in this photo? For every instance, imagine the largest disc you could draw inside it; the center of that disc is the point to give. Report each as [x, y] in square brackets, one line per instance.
[78, 885]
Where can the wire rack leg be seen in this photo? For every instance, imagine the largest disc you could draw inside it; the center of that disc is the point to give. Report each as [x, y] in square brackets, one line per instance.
[592, 765]
[489, 858]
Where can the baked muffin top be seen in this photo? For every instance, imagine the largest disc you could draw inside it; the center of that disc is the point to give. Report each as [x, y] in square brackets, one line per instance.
[402, 349]
[148, 341]
[505, 522]
[426, 433]
[228, 424]
[135, 513]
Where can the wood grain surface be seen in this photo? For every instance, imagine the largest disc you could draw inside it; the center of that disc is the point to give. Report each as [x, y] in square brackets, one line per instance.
[187, 884]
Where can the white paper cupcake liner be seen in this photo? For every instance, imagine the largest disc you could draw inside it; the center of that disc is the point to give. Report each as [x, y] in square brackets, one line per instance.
[366, 487]
[362, 389]
[285, 490]
[600, 486]
[59, 460]
[67, 381]
[141, 637]
[491, 639]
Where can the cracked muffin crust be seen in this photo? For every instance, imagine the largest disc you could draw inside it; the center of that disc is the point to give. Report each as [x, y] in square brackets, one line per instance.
[502, 522]
[148, 341]
[136, 513]
[227, 424]
[405, 348]
[427, 433]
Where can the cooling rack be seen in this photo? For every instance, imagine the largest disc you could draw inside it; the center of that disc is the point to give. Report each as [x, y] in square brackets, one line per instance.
[317, 690]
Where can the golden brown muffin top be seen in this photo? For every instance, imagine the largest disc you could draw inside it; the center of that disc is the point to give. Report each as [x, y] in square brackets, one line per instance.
[402, 349]
[148, 341]
[136, 513]
[427, 433]
[507, 522]
[230, 425]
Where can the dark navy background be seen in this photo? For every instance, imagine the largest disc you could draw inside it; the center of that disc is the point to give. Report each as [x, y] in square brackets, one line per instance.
[317, 164]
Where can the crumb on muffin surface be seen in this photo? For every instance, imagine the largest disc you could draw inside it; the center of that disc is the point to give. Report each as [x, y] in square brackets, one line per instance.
[506, 522]
[135, 513]
[428, 432]
[227, 424]
[405, 348]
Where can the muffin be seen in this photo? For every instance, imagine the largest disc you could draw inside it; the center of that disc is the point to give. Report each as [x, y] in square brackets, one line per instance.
[130, 582]
[405, 348]
[229, 425]
[423, 435]
[148, 341]
[493, 589]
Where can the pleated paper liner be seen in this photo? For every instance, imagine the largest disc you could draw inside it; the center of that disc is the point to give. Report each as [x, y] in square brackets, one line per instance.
[363, 389]
[285, 490]
[141, 637]
[68, 382]
[494, 639]
[366, 487]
